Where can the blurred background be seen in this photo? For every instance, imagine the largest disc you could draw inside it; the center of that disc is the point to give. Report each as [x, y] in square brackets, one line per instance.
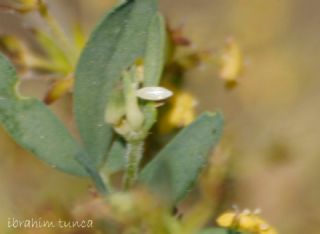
[272, 129]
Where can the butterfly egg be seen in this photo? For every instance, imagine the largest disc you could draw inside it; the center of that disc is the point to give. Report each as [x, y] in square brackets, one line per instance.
[153, 93]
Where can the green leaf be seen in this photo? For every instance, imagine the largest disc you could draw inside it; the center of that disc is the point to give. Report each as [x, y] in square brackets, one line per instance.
[86, 162]
[155, 52]
[214, 231]
[114, 45]
[116, 158]
[220, 231]
[8, 80]
[32, 125]
[176, 168]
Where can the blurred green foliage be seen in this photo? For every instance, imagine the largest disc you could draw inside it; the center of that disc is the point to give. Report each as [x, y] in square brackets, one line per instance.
[274, 101]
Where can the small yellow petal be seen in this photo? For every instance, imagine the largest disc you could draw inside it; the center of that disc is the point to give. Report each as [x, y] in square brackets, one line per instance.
[248, 223]
[232, 61]
[182, 112]
[59, 89]
[269, 231]
[227, 219]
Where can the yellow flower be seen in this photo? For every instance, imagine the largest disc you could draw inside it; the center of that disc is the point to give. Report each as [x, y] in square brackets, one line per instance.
[59, 89]
[231, 62]
[227, 219]
[181, 112]
[60, 52]
[245, 221]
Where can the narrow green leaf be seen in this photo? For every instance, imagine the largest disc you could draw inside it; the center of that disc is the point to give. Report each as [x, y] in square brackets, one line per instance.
[32, 125]
[176, 168]
[114, 45]
[155, 52]
[86, 162]
[116, 158]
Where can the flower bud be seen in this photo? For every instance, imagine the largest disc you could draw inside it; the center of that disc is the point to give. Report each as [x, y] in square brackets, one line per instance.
[134, 114]
[232, 62]
[115, 109]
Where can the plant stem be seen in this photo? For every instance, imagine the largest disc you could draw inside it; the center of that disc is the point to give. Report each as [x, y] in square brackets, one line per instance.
[106, 179]
[133, 157]
[58, 32]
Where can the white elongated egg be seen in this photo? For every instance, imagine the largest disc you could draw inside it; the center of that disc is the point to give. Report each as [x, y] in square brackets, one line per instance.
[154, 93]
